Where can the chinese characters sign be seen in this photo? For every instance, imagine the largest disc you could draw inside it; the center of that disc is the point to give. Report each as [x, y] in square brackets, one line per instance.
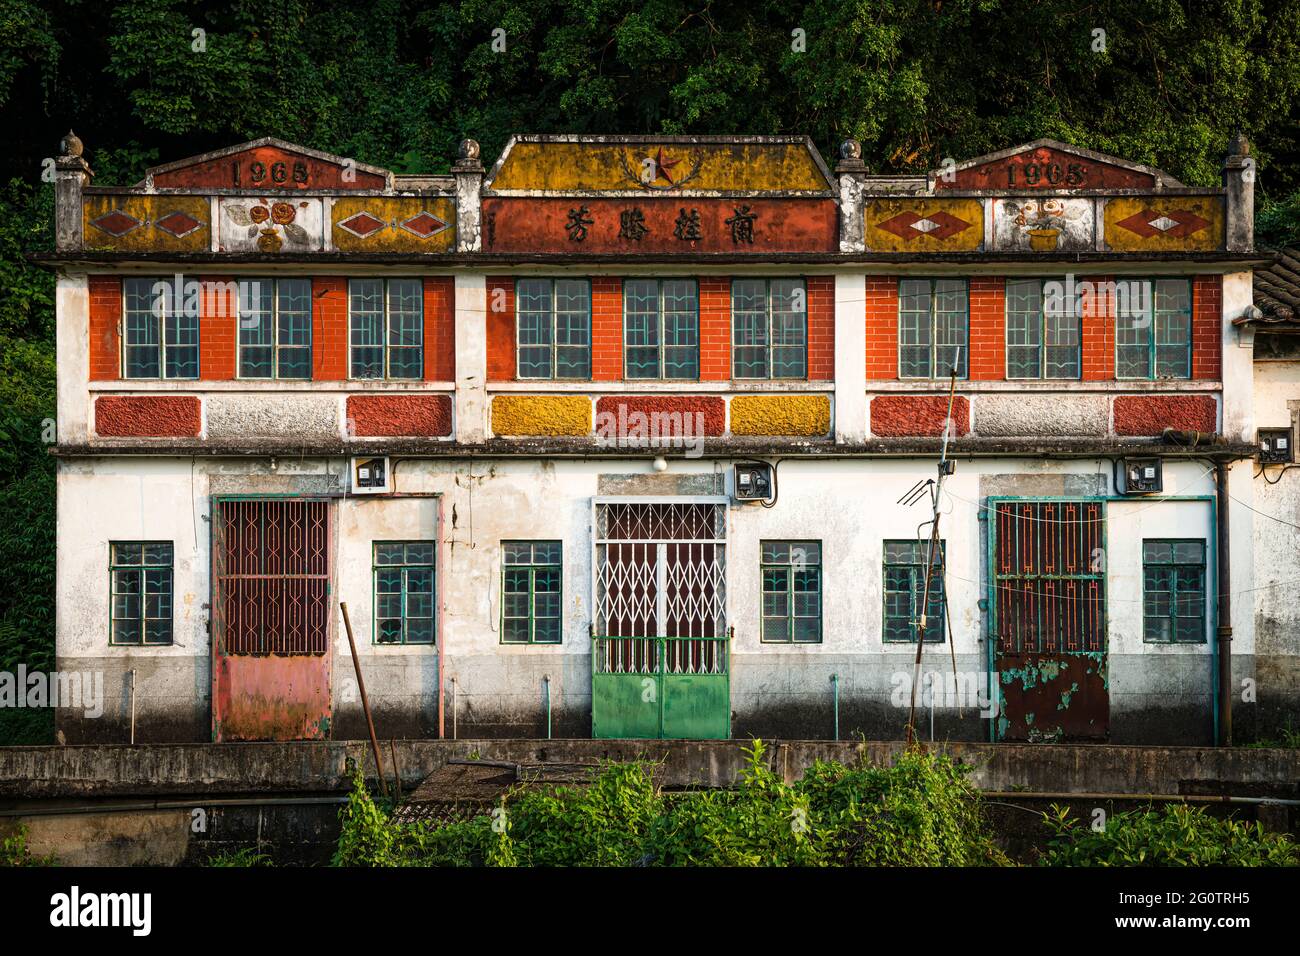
[686, 224]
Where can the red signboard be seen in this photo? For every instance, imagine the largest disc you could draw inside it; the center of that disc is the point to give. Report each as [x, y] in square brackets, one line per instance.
[640, 224]
[1049, 169]
[267, 167]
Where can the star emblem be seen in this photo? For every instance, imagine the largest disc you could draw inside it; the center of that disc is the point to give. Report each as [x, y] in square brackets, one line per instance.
[663, 166]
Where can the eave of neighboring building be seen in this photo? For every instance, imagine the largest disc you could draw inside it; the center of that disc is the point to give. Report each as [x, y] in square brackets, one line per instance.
[1276, 295]
[715, 448]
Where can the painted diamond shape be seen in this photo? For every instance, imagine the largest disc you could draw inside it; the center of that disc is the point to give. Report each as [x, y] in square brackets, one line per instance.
[936, 225]
[115, 223]
[362, 224]
[1179, 223]
[424, 225]
[177, 223]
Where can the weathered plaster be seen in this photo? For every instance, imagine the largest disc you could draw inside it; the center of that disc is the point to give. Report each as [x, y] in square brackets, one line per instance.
[780, 415]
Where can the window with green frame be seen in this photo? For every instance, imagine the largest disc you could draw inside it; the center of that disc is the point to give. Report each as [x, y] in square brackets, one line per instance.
[933, 327]
[531, 579]
[1043, 324]
[769, 328]
[661, 328]
[792, 592]
[553, 328]
[158, 339]
[386, 328]
[140, 582]
[405, 579]
[904, 577]
[275, 329]
[1173, 590]
[1153, 328]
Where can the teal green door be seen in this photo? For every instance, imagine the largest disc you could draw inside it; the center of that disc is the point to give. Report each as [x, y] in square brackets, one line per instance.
[660, 656]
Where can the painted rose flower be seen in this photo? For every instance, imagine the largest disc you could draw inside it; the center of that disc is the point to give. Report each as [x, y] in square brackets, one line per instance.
[259, 214]
[282, 213]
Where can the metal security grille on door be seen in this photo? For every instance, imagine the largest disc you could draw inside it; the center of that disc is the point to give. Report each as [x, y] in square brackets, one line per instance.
[1049, 618]
[271, 576]
[271, 619]
[660, 657]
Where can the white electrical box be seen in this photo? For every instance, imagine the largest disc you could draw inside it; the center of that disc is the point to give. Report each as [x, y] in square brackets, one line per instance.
[1143, 476]
[371, 476]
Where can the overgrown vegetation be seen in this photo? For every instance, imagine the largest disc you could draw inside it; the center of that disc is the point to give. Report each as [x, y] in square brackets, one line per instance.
[15, 852]
[920, 812]
[1173, 835]
[243, 857]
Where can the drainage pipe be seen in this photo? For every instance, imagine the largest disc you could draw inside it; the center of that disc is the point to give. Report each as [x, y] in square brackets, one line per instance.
[132, 706]
[546, 683]
[1223, 565]
[835, 684]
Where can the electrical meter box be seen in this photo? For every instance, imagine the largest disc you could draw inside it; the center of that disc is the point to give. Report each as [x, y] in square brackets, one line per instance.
[1142, 476]
[753, 481]
[1275, 446]
[371, 476]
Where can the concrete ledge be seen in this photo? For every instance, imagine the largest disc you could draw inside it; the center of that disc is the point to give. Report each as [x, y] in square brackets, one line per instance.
[323, 767]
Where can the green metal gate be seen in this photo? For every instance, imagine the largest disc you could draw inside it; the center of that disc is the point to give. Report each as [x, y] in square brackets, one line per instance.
[660, 656]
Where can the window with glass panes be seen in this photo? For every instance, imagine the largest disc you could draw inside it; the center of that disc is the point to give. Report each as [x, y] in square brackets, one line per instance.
[404, 592]
[553, 328]
[275, 329]
[1153, 328]
[158, 341]
[531, 572]
[792, 592]
[661, 328]
[1173, 591]
[140, 582]
[933, 327]
[1043, 329]
[386, 328]
[769, 328]
[904, 577]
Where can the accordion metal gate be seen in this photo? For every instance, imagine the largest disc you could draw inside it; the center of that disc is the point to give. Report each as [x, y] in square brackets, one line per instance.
[660, 655]
[1048, 619]
[271, 618]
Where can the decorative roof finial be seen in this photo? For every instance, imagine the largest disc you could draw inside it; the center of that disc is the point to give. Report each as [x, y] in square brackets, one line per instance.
[71, 145]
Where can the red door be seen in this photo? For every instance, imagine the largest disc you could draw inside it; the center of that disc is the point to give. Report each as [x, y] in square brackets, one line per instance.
[270, 619]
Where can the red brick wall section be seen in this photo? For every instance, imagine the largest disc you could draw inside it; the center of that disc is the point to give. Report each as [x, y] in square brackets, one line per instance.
[390, 416]
[606, 329]
[1152, 414]
[218, 329]
[821, 328]
[988, 329]
[105, 316]
[1098, 348]
[715, 328]
[147, 416]
[329, 328]
[621, 407]
[914, 416]
[440, 329]
[1207, 317]
[501, 329]
[881, 294]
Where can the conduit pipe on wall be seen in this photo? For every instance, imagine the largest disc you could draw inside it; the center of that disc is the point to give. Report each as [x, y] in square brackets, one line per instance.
[132, 706]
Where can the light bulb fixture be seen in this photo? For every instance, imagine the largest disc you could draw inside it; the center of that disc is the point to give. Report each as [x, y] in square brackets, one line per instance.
[660, 464]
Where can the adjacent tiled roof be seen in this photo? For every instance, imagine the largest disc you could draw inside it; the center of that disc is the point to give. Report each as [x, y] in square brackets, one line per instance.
[1277, 290]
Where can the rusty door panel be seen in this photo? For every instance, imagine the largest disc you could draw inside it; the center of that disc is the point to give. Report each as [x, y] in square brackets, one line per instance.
[270, 619]
[1048, 571]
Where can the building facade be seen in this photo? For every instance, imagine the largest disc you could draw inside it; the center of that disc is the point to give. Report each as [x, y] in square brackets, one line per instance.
[643, 437]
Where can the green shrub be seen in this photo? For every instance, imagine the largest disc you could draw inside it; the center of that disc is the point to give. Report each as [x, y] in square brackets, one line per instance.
[1173, 835]
[920, 812]
[15, 852]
